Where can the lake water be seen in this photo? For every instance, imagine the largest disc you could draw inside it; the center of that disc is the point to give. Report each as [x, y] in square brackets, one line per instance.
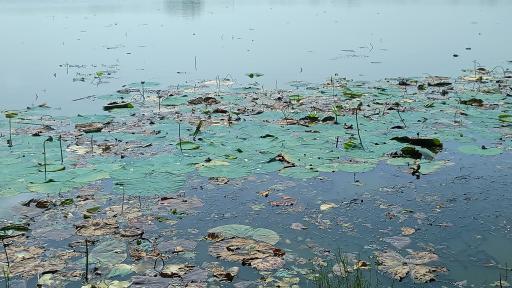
[285, 40]
[56, 52]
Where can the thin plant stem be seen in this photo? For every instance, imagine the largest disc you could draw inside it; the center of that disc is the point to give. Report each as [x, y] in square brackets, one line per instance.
[61, 155]
[8, 264]
[142, 86]
[332, 84]
[92, 145]
[86, 261]
[401, 119]
[10, 133]
[44, 155]
[358, 133]
[179, 136]
[122, 203]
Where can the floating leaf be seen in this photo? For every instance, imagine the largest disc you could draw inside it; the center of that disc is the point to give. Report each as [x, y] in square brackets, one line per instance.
[243, 231]
[475, 150]
[248, 252]
[117, 105]
[108, 253]
[188, 145]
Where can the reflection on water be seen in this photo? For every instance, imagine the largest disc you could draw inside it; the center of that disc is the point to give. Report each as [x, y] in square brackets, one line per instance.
[186, 8]
[286, 40]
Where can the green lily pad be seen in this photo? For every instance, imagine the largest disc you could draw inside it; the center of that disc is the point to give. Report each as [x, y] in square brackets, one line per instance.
[52, 168]
[254, 75]
[505, 118]
[11, 114]
[475, 150]
[108, 253]
[121, 270]
[117, 105]
[187, 145]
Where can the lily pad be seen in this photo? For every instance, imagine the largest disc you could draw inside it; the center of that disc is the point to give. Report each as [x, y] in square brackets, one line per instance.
[108, 253]
[475, 150]
[248, 252]
[188, 145]
[243, 231]
[399, 267]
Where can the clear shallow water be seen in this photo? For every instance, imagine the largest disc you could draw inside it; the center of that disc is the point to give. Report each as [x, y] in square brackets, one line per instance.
[285, 40]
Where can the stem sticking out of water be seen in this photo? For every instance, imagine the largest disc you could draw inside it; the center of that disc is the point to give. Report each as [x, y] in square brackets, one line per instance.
[179, 136]
[357, 124]
[92, 145]
[332, 84]
[122, 203]
[398, 111]
[86, 261]
[49, 139]
[142, 90]
[218, 85]
[61, 155]
[6, 274]
[10, 133]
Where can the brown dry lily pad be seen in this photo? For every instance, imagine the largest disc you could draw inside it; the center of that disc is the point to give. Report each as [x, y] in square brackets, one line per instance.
[407, 231]
[97, 227]
[219, 180]
[28, 261]
[131, 232]
[399, 267]
[260, 255]
[92, 127]
[285, 201]
[223, 274]
[175, 270]
[181, 203]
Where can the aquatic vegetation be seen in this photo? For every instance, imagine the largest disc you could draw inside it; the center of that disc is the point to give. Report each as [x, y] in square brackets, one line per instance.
[138, 179]
[344, 273]
[414, 264]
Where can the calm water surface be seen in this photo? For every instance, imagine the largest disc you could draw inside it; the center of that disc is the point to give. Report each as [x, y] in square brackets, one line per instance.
[286, 40]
